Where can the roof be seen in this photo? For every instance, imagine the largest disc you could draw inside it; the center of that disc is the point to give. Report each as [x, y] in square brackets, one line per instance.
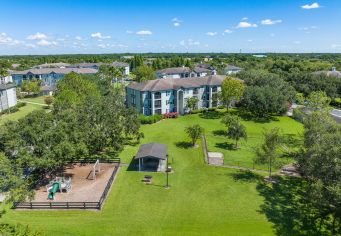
[333, 73]
[174, 70]
[56, 71]
[156, 150]
[6, 86]
[53, 65]
[169, 84]
[201, 70]
[48, 88]
[231, 67]
[120, 64]
[204, 65]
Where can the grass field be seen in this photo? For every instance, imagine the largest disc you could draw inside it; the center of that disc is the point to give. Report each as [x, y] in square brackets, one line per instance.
[39, 99]
[23, 111]
[203, 200]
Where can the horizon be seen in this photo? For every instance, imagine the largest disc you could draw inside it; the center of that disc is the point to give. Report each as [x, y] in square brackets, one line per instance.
[250, 27]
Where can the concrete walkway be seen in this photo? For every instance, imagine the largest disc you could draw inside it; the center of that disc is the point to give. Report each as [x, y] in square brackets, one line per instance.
[240, 168]
[34, 103]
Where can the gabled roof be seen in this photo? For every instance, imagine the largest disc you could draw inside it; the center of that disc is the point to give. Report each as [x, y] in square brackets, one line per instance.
[56, 70]
[120, 64]
[201, 70]
[169, 84]
[231, 67]
[174, 70]
[154, 150]
[6, 86]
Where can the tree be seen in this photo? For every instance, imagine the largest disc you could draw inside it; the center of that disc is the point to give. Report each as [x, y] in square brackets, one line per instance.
[236, 131]
[318, 101]
[144, 73]
[231, 90]
[269, 150]
[319, 163]
[228, 119]
[194, 133]
[4, 72]
[192, 103]
[264, 101]
[31, 86]
[48, 100]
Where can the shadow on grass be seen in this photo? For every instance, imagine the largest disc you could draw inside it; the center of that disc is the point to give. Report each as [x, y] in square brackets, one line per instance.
[286, 206]
[246, 176]
[225, 145]
[133, 165]
[247, 116]
[219, 132]
[183, 145]
[211, 115]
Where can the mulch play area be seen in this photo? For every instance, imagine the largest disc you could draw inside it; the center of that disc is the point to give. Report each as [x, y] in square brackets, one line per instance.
[83, 187]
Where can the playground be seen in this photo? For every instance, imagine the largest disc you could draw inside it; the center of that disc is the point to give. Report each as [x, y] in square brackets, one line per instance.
[78, 183]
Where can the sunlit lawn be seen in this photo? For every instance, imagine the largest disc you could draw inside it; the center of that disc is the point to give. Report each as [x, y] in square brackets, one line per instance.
[203, 200]
[23, 111]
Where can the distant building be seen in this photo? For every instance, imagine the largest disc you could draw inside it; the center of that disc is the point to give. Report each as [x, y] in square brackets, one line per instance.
[331, 73]
[230, 70]
[8, 96]
[48, 76]
[162, 96]
[52, 65]
[6, 79]
[183, 72]
[96, 66]
[212, 69]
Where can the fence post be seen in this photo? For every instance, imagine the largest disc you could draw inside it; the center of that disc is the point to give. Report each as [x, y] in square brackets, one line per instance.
[67, 205]
[84, 205]
[31, 205]
[50, 205]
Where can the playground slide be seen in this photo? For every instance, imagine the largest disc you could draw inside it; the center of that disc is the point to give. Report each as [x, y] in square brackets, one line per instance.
[53, 191]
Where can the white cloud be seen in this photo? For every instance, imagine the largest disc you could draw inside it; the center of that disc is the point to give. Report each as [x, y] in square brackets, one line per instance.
[227, 31]
[211, 33]
[244, 24]
[36, 36]
[98, 35]
[335, 46]
[244, 18]
[297, 42]
[144, 32]
[129, 32]
[250, 40]
[30, 45]
[270, 22]
[189, 42]
[78, 38]
[7, 40]
[44, 42]
[176, 22]
[311, 6]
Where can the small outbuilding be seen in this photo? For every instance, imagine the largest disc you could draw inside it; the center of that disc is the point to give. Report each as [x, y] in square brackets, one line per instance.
[152, 157]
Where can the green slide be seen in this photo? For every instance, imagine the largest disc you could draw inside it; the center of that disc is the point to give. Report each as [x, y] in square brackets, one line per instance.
[53, 190]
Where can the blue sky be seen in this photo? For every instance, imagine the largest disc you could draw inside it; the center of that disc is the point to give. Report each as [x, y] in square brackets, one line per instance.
[89, 26]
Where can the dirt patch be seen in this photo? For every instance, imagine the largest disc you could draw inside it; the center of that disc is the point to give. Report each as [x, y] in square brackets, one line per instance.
[83, 188]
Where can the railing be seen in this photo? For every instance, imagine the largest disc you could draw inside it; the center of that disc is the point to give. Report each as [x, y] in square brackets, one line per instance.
[73, 205]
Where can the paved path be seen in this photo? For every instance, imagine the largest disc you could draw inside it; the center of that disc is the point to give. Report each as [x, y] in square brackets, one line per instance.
[241, 168]
[34, 103]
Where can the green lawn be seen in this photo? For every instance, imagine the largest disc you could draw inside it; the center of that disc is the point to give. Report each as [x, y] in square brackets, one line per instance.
[203, 200]
[23, 111]
[39, 99]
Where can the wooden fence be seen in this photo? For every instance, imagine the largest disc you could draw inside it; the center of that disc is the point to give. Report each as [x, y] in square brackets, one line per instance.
[70, 205]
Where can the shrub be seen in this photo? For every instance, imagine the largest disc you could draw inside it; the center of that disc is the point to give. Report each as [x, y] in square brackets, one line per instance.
[197, 111]
[171, 115]
[21, 104]
[221, 107]
[298, 114]
[150, 119]
[212, 109]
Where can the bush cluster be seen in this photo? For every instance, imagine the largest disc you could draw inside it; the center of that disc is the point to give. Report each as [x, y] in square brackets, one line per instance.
[171, 115]
[150, 119]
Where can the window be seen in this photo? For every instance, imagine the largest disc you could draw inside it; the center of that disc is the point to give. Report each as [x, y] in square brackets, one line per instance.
[157, 104]
[168, 93]
[195, 91]
[157, 95]
[158, 111]
[214, 89]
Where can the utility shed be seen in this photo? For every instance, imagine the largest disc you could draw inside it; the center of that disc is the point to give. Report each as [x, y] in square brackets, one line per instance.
[152, 157]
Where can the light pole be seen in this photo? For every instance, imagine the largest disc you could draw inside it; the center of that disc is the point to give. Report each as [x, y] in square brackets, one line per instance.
[168, 169]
